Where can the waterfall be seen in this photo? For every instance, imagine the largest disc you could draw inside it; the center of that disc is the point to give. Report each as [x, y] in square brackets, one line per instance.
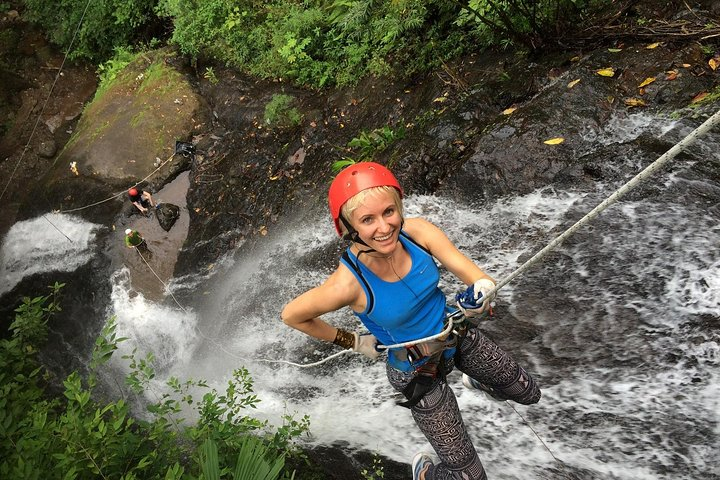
[52, 242]
[620, 325]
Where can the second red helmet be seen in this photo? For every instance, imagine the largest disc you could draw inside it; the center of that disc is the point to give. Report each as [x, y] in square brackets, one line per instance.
[354, 179]
[133, 192]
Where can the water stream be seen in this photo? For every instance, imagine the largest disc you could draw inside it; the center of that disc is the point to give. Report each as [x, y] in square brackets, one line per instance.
[621, 326]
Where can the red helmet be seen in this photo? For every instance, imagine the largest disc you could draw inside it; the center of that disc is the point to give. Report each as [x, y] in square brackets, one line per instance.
[133, 192]
[354, 179]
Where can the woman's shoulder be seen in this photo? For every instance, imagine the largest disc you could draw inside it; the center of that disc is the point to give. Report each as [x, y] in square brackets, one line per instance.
[343, 284]
[424, 233]
[415, 224]
[419, 228]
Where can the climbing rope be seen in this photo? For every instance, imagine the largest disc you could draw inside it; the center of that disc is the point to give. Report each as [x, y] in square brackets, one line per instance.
[119, 193]
[42, 110]
[217, 344]
[620, 192]
[56, 228]
[457, 317]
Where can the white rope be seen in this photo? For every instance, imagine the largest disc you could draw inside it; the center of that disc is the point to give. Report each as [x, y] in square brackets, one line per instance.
[649, 170]
[457, 317]
[452, 319]
[56, 228]
[306, 365]
[119, 193]
[217, 344]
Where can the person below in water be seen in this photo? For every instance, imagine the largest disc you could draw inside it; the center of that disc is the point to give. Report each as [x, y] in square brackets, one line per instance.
[141, 199]
[133, 239]
[389, 279]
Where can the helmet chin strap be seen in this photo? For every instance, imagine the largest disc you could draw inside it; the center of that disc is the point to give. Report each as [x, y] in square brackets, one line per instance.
[354, 236]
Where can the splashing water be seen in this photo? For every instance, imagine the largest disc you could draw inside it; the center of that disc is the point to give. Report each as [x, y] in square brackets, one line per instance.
[620, 325]
[53, 242]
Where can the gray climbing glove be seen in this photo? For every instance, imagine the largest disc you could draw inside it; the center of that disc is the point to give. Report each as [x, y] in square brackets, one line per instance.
[477, 298]
[365, 344]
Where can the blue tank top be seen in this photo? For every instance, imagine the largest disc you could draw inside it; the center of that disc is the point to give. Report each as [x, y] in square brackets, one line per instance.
[406, 309]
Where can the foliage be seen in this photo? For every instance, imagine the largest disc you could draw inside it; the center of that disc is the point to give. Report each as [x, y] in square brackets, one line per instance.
[210, 76]
[75, 436]
[377, 472]
[255, 461]
[326, 42]
[375, 141]
[280, 112]
[109, 70]
[315, 42]
[93, 30]
[368, 144]
[530, 24]
[340, 164]
[706, 97]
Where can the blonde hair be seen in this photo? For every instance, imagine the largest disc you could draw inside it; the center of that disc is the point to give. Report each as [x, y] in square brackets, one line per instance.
[356, 200]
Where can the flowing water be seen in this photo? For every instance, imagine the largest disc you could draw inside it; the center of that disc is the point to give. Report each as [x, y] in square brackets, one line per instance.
[52, 242]
[620, 325]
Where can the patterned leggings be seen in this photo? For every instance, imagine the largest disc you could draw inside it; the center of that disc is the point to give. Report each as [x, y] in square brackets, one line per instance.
[438, 415]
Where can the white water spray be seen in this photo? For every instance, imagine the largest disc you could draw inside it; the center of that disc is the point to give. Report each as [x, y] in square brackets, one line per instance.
[54, 242]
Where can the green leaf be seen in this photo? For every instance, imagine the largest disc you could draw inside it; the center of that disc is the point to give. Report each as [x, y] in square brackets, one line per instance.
[253, 462]
[209, 461]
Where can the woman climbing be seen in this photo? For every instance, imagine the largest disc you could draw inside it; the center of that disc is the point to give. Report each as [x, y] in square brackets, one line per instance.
[389, 278]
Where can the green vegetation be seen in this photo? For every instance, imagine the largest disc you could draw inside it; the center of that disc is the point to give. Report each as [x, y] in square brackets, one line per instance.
[368, 144]
[279, 111]
[95, 29]
[210, 75]
[377, 472]
[108, 71]
[712, 97]
[313, 42]
[76, 436]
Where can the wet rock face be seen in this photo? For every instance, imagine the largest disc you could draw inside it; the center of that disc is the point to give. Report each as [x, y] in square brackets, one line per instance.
[133, 125]
[457, 141]
[511, 156]
[28, 69]
[247, 174]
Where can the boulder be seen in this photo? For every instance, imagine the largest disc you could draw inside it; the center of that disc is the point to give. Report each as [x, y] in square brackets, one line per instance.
[167, 214]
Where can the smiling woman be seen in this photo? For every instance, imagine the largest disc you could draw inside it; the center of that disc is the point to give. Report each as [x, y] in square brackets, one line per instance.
[389, 279]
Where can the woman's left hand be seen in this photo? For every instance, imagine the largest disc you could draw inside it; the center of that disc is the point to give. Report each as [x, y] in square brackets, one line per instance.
[476, 299]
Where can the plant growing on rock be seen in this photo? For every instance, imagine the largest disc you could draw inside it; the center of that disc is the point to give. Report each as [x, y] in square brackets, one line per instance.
[279, 111]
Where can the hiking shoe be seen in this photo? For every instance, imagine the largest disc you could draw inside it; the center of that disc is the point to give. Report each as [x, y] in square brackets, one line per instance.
[420, 464]
[489, 391]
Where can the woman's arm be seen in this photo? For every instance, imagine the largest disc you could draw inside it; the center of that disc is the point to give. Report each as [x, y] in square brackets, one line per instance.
[440, 246]
[303, 312]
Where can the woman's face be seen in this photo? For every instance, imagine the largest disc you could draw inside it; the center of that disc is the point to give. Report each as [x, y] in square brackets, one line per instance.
[377, 221]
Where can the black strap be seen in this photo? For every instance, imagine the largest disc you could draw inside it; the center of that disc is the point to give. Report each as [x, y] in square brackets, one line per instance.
[356, 268]
[416, 390]
[424, 380]
[351, 234]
